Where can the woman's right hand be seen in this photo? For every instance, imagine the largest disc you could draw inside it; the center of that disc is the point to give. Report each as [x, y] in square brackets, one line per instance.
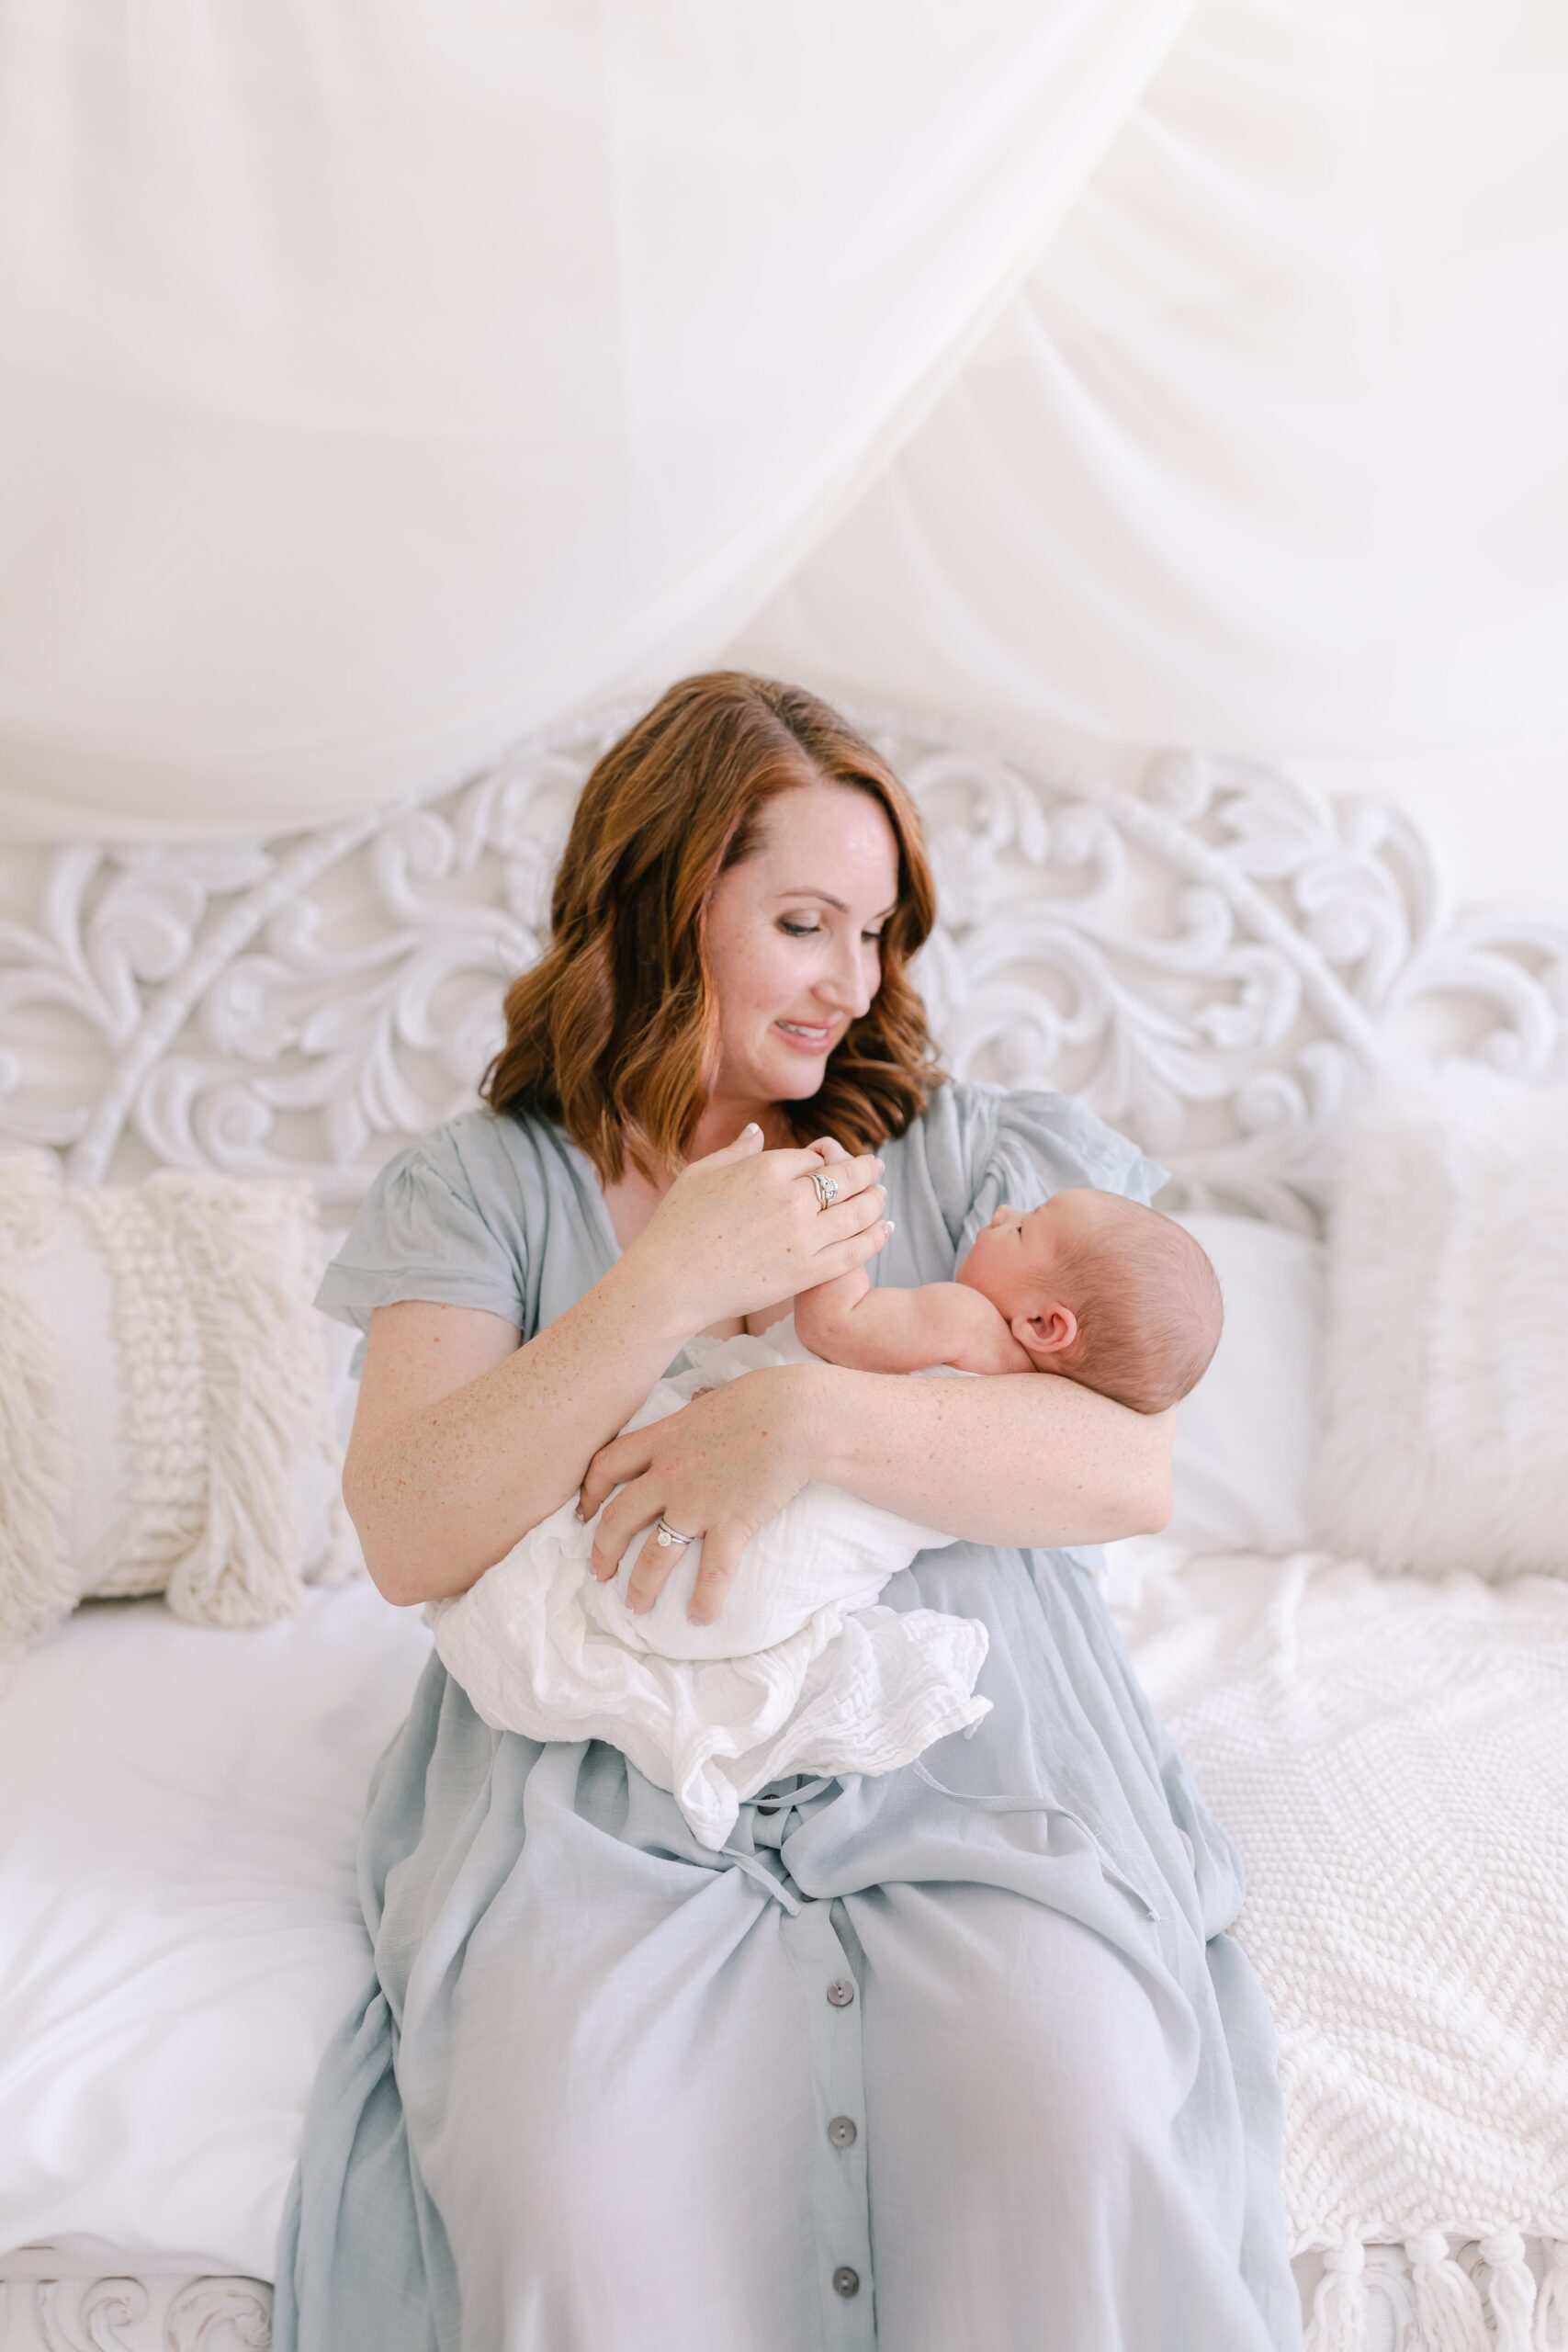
[741, 1228]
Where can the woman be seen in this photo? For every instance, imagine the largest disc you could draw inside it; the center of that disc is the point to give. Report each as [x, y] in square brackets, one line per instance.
[959, 2056]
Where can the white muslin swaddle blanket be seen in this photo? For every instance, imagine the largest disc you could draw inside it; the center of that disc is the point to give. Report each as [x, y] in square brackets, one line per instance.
[799, 1672]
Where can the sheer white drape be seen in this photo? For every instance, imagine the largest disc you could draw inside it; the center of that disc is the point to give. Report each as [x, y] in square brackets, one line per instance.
[378, 383]
[1269, 455]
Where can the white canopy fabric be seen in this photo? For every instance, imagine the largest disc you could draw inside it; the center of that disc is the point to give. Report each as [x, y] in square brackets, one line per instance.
[1270, 455]
[378, 383]
[378, 386]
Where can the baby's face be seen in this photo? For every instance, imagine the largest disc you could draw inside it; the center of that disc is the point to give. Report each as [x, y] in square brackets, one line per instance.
[1013, 1260]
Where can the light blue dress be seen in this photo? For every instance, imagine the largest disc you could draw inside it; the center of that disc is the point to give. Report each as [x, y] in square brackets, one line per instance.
[960, 2059]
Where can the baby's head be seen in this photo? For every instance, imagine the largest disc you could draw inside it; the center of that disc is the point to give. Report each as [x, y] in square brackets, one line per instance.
[1114, 1295]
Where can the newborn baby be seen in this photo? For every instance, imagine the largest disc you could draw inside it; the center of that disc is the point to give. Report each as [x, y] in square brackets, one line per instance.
[801, 1670]
[1110, 1294]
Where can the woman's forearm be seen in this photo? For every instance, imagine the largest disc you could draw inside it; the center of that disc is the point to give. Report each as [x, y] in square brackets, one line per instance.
[447, 1493]
[1002, 1459]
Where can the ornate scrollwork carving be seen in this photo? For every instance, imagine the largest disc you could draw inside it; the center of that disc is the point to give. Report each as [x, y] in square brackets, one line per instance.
[205, 2311]
[126, 2314]
[1210, 960]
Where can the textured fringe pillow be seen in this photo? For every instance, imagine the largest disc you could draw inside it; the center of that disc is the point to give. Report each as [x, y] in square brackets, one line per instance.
[1444, 1382]
[166, 1423]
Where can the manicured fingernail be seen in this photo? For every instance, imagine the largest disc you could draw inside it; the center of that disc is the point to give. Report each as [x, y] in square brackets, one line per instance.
[750, 1128]
[693, 1618]
[888, 1222]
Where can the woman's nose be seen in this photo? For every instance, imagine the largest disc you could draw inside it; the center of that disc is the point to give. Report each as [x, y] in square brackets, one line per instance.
[848, 988]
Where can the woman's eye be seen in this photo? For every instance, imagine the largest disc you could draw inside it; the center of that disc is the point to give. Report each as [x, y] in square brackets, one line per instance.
[814, 930]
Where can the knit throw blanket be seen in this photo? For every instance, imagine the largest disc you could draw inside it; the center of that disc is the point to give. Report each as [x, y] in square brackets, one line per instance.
[1391, 1756]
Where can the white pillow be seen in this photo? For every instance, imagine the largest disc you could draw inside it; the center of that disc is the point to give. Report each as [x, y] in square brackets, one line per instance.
[165, 1414]
[1445, 1376]
[1246, 1436]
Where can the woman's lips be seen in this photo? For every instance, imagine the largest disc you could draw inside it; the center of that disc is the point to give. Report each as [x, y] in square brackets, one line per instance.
[821, 1044]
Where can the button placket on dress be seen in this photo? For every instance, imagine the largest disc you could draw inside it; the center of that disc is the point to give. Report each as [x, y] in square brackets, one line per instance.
[840, 2255]
[839, 2187]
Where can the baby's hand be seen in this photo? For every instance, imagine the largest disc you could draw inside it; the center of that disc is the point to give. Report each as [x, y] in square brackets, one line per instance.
[820, 1311]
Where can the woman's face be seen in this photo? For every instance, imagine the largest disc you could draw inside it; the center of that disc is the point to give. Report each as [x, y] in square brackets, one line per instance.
[793, 938]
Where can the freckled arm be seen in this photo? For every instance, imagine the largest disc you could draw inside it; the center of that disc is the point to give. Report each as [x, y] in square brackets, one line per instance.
[999, 1460]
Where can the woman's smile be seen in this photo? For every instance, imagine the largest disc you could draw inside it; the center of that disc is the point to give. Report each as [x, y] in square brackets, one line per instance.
[805, 1038]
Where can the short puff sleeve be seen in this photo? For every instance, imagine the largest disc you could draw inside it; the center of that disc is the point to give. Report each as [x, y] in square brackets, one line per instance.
[1020, 1145]
[420, 1232]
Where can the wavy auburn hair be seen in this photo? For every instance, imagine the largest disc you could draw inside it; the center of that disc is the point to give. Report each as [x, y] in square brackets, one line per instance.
[615, 1032]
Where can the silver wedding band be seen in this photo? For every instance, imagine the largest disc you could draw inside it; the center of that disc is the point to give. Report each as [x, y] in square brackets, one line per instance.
[827, 1188]
[668, 1535]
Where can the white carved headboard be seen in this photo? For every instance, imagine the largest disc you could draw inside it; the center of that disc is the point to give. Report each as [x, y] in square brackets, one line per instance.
[1207, 960]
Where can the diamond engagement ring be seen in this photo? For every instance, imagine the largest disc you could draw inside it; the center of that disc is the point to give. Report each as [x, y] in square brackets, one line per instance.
[667, 1535]
[827, 1188]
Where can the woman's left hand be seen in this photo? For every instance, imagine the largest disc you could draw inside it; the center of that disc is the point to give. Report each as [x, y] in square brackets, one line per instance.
[718, 1468]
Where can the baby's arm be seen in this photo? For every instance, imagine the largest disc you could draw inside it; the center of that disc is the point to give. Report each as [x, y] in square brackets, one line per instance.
[850, 1322]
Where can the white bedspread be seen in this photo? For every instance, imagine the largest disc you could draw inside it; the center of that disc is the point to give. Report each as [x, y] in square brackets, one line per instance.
[179, 1928]
[1392, 1758]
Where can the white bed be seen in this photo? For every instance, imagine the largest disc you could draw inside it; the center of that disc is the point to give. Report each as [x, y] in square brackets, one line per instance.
[181, 1932]
[1205, 960]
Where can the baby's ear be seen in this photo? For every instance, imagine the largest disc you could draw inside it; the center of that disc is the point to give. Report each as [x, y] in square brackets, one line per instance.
[1046, 1332]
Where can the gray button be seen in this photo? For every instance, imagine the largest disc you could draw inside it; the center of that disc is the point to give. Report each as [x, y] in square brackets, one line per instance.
[841, 2131]
[840, 1991]
[769, 1808]
[845, 2281]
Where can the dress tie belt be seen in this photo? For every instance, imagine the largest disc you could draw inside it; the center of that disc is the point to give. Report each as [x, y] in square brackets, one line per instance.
[989, 1803]
[770, 1829]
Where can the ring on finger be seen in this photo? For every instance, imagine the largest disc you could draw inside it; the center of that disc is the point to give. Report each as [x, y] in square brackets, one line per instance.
[668, 1535]
[827, 1188]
